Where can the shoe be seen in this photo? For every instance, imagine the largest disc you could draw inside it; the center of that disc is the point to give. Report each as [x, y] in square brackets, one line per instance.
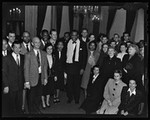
[57, 100]
[69, 101]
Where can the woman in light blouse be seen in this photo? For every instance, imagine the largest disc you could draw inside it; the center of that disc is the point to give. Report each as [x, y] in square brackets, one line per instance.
[112, 94]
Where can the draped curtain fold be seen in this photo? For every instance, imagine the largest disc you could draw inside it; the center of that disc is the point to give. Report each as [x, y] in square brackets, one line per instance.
[104, 19]
[48, 19]
[65, 27]
[59, 16]
[111, 15]
[31, 19]
[41, 16]
[130, 17]
[54, 19]
[71, 17]
[119, 23]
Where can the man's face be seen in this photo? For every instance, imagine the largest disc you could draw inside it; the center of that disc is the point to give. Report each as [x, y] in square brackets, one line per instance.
[126, 37]
[11, 37]
[74, 36]
[17, 48]
[26, 37]
[92, 46]
[132, 84]
[60, 46]
[84, 33]
[96, 71]
[45, 36]
[66, 36]
[54, 35]
[36, 43]
[104, 40]
[5, 45]
[116, 38]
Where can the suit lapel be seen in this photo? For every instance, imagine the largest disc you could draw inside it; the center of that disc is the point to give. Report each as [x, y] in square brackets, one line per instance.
[13, 60]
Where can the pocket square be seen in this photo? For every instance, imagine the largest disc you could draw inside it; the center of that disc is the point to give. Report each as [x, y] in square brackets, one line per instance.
[80, 48]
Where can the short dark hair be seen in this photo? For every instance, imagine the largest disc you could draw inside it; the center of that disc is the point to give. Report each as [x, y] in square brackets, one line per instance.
[47, 45]
[16, 42]
[123, 43]
[67, 33]
[60, 40]
[11, 31]
[84, 29]
[44, 30]
[118, 71]
[75, 31]
[126, 33]
[116, 34]
[94, 43]
[52, 31]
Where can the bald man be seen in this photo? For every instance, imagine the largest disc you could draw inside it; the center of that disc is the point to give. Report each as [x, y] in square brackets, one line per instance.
[35, 71]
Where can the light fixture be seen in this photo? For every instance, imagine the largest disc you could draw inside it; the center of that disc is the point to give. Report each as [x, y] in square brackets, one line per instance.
[15, 13]
[90, 11]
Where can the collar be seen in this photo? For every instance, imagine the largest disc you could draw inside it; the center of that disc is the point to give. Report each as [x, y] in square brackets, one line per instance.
[35, 51]
[95, 76]
[15, 55]
[10, 44]
[26, 44]
[134, 91]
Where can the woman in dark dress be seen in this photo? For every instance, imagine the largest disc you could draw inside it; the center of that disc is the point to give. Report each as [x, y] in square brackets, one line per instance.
[109, 65]
[48, 89]
[103, 54]
[59, 68]
[94, 92]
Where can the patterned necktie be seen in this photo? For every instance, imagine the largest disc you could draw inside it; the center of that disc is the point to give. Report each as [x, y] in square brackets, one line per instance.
[27, 47]
[17, 60]
[38, 59]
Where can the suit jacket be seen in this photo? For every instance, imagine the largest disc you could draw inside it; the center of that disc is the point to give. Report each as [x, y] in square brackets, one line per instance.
[60, 63]
[24, 50]
[13, 75]
[9, 49]
[75, 67]
[31, 68]
[130, 103]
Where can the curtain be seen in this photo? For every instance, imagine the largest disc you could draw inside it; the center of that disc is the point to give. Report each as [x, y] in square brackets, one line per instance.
[119, 23]
[64, 21]
[111, 15]
[54, 19]
[130, 17]
[76, 22]
[104, 19]
[59, 16]
[71, 14]
[139, 33]
[47, 20]
[80, 22]
[31, 19]
[40, 17]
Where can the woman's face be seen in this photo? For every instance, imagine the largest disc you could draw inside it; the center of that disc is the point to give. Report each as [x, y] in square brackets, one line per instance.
[111, 52]
[92, 37]
[131, 51]
[117, 76]
[49, 50]
[92, 46]
[105, 48]
[123, 48]
[132, 84]
[60, 46]
[96, 71]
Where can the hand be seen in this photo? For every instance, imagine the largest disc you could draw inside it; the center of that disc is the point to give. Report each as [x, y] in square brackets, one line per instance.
[27, 85]
[45, 81]
[126, 113]
[65, 75]
[55, 78]
[6, 90]
[109, 103]
[81, 71]
[122, 112]
[125, 70]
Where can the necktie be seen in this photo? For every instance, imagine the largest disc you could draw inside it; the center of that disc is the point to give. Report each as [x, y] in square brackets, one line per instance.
[17, 60]
[38, 59]
[27, 47]
[59, 54]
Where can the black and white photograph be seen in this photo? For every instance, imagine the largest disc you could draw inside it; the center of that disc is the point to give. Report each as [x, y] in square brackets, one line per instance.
[75, 59]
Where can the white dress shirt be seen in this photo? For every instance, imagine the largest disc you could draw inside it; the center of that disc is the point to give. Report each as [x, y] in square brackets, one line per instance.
[35, 51]
[4, 52]
[15, 57]
[29, 45]
[50, 60]
[94, 78]
[132, 92]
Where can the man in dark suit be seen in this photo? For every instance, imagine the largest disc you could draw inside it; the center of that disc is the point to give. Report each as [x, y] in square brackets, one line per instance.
[44, 38]
[84, 35]
[75, 65]
[35, 71]
[94, 92]
[5, 97]
[26, 45]
[130, 100]
[13, 78]
[11, 38]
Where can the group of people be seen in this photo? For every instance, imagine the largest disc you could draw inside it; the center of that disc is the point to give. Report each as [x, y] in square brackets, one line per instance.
[36, 69]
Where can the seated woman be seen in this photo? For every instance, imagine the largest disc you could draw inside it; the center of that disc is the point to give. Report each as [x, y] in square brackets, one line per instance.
[94, 94]
[112, 94]
[130, 100]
